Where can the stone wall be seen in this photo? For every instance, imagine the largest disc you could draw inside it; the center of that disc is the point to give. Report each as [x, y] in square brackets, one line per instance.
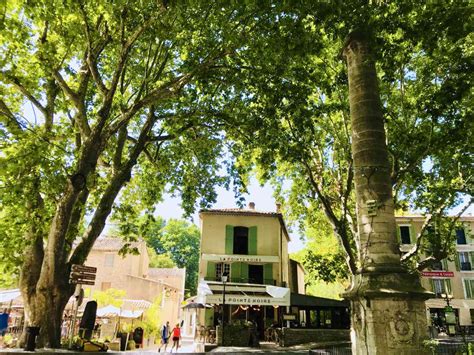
[292, 336]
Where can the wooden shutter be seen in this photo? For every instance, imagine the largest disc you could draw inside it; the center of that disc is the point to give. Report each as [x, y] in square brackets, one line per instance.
[432, 285]
[235, 272]
[209, 317]
[412, 234]
[399, 238]
[447, 284]
[467, 287]
[211, 271]
[268, 273]
[471, 259]
[252, 241]
[229, 239]
[456, 261]
[445, 264]
[244, 272]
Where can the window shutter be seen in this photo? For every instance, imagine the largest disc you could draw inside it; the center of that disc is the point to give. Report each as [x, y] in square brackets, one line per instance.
[235, 272]
[445, 264]
[253, 240]
[471, 259]
[448, 286]
[211, 271]
[432, 285]
[229, 239]
[412, 234]
[456, 261]
[399, 238]
[467, 287]
[245, 272]
[268, 273]
[209, 317]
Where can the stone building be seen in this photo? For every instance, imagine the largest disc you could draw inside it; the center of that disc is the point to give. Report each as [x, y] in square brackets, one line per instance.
[451, 280]
[132, 274]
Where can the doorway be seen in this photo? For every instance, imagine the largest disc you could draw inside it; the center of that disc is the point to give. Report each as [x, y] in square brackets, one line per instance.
[256, 274]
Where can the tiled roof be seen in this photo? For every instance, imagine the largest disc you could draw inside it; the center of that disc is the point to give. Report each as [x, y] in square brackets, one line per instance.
[111, 243]
[246, 211]
[155, 273]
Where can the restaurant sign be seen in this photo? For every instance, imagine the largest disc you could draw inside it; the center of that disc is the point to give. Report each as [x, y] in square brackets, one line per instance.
[224, 258]
[437, 273]
[249, 300]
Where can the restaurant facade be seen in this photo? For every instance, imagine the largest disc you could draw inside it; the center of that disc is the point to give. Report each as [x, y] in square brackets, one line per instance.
[261, 284]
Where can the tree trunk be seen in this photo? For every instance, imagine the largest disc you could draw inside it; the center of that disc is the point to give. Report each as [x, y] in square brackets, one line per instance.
[387, 303]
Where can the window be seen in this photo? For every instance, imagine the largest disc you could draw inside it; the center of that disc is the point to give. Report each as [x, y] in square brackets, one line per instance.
[109, 260]
[222, 268]
[439, 287]
[438, 265]
[469, 288]
[460, 236]
[104, 286]
[241, 240]
[465, 263]
[405, 234]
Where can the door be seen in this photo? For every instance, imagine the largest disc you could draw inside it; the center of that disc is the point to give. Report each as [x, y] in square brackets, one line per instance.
[256, 274]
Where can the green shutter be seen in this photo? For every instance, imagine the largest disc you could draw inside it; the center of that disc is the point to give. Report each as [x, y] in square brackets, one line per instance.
[229, 239]
[211, 271]
[471, 259]
[445, 264]
[209, 317]
[245, 272]
[253, 241]
[235, 272]
[456, 261]
[399, 238]
[447, 284]
[467, 286]
[268, 273]
[432, 285]
[412, 234]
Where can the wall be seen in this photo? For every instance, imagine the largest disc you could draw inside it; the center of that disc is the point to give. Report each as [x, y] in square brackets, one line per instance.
[293, 336]
[213, 228]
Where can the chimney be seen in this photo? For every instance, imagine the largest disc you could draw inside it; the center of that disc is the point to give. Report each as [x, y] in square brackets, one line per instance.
[278, 207]
[252, 205]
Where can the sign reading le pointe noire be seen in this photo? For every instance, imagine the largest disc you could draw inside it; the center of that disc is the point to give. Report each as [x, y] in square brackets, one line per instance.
[83, 275]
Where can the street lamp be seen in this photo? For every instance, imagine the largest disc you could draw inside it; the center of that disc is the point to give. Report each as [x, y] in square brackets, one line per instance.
[224, 280]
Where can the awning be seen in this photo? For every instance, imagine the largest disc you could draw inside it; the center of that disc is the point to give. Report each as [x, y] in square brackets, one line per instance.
[112, 311]
[9, 295]
[210, 292]
[299, 300]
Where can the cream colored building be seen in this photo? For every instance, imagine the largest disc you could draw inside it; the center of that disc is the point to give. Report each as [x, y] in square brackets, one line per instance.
[132, 274]
[263, 285]
[453, 276]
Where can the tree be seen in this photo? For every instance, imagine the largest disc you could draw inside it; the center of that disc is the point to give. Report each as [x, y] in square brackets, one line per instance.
[116, 92]
[179, 242]
[160, 260]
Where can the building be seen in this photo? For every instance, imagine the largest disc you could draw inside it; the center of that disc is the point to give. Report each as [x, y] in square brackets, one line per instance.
[132, 274]
[451, 280]
[263, 285]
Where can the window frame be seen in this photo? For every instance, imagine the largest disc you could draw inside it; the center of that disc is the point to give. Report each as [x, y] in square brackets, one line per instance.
[107, 259]
[408, 226]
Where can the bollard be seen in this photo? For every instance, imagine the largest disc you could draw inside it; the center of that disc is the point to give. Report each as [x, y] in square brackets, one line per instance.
[31, 334]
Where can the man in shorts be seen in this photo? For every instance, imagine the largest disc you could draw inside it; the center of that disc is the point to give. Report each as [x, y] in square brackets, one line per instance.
[165, 335]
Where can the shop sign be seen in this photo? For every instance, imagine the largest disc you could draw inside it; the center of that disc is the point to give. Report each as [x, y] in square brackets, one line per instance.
[223, 258]
[248, 300]
[437, 273]
[289, 317]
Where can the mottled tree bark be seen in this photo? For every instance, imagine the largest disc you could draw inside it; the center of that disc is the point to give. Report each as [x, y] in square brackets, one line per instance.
[388, 311]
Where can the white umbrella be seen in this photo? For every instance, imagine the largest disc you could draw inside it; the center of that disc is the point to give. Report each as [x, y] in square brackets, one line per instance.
[108, 311]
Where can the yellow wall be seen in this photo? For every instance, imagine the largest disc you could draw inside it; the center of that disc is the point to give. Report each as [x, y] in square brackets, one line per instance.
[213, 229]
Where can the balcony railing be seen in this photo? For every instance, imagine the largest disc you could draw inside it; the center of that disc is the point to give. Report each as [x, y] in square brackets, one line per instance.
[244, 280]
[466, 266]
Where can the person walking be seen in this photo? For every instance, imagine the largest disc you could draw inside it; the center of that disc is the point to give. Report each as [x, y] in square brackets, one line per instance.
[165, 335]
[176, 336]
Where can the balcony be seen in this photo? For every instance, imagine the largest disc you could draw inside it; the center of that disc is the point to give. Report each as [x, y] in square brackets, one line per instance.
[466, 266]
[245, 280]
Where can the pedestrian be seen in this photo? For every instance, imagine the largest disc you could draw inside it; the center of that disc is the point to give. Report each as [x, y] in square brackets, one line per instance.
[176, 334]
[165, 335]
